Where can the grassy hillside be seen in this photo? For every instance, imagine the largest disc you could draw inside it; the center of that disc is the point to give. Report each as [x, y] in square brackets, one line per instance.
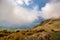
[49, 25]
[48, 30]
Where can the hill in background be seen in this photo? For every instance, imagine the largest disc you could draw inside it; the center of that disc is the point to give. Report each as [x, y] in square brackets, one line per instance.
[48, 30]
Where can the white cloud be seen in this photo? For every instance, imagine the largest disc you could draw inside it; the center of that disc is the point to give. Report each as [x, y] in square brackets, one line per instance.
[51, 10]
[27, 2]
[25, 15]
[19, 2]
[16, 15]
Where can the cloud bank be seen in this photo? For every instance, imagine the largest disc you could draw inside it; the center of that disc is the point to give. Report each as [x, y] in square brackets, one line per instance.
[51, 9]
[11, 14]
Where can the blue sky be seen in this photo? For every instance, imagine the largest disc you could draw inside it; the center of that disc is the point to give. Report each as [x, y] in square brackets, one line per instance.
[27, 13]
[38, 3]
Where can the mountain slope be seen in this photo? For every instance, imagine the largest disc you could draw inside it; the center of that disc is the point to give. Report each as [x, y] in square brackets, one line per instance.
[48, 30]
[50, 24]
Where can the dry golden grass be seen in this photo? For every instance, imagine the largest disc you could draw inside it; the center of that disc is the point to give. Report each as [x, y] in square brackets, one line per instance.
[48, 30]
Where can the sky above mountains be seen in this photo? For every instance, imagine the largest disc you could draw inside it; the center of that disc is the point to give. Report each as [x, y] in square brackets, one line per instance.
[27, 13]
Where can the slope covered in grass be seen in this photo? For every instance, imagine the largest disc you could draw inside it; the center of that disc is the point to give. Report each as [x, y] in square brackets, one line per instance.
[48, 30]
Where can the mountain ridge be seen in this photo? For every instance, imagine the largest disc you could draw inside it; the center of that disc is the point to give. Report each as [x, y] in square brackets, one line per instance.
[48, 30]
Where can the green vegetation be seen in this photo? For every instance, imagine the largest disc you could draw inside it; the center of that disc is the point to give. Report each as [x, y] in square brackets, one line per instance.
[55, 36]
